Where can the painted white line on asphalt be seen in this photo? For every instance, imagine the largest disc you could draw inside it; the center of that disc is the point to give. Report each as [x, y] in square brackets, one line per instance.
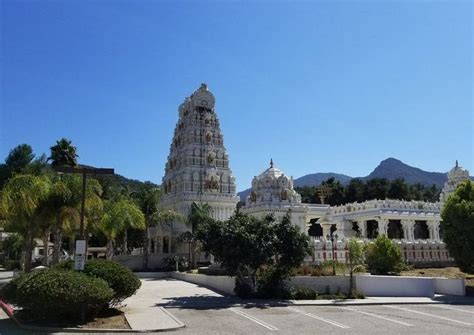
[453, 309]
[254, 319]
[378, 316]
[430, 315]
[334, 323]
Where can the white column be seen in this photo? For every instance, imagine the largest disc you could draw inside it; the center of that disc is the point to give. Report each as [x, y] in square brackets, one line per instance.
[363, 228]
[408, 229]
[383, 226]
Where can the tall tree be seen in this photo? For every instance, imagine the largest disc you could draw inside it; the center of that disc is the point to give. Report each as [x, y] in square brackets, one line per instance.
[19, 158]
[244, 244]
[63, 153]
[21, 198]
[148, 198]
[119, 216]
[198, 214]
[458, 226]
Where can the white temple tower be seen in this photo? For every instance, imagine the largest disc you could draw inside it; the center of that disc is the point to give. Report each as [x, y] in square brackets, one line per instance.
[198, 164]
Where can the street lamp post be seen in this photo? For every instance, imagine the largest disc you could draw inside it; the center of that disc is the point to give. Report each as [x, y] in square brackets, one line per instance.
[331, 237]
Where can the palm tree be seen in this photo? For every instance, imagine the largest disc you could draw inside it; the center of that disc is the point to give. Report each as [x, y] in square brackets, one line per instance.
[119, 216]
[63, 153]
[20, 200]
[198, 214]
[148, 199]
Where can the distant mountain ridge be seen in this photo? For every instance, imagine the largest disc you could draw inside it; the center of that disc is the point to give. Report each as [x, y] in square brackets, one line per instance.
[390, 168]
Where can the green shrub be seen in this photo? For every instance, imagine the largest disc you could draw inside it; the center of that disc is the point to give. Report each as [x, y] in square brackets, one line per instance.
[58, 294]
[304, 293]
[120, 279]
[384, 257]
[12, 265]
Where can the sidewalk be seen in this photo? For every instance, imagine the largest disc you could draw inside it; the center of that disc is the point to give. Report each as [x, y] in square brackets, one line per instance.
[143, 311]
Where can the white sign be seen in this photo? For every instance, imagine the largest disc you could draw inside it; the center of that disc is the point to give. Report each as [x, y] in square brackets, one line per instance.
[80, 247]
[79, 262]
[80, 255]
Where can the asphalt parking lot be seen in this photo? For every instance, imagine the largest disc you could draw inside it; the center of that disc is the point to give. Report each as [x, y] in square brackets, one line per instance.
[374, 319]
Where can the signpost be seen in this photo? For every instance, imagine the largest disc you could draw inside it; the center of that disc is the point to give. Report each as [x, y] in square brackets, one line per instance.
[80, 256]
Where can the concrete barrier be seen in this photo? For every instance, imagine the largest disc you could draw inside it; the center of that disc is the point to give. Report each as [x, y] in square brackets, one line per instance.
[450, 286]
[221, 284]
[394, 286]
[333, 284]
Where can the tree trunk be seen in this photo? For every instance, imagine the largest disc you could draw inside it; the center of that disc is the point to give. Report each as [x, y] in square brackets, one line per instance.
[45, 260]
[58, 237]
[145, 245]
[28, 251]
[110, 248]
[125, 240]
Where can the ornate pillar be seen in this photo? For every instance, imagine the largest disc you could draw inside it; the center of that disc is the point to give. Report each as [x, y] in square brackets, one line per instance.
[408, 229]
[383, 226]
[363, 228]
[435, 226]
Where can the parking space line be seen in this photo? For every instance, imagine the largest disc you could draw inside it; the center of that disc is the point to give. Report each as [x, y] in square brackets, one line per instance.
[430, 315]
[334, 323]
[254, 319]
[378, 316]
[453, 309]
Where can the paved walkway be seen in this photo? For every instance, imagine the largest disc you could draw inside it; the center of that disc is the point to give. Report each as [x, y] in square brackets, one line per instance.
[143, 310]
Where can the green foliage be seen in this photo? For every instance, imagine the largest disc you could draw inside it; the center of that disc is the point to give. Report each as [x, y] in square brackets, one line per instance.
[384, 257]
[12, 246]
[120, 279]
[304, 293]
[458, 226]
[57, 294]
[12, 264]
[243, 244]
[63, 153]
[19, 158]
[377, 188]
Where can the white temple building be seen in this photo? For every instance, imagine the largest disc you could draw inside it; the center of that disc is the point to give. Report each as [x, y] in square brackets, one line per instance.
[197, 170]
[415, 225]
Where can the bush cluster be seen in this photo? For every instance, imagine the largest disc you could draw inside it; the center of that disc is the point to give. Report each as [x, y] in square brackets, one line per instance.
[58, 294]
[120, 279]
[384, 257]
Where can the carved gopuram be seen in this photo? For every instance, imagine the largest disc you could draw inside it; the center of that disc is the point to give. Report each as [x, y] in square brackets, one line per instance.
[197, 169]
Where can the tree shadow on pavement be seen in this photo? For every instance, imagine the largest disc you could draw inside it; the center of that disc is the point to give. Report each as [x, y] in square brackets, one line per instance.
[203, 302]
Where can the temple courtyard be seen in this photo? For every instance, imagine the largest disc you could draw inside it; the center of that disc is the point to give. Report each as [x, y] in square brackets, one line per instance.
[203, 311]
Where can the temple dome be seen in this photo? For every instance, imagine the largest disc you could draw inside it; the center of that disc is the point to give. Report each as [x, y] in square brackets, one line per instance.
[457, 173]
[272, 185]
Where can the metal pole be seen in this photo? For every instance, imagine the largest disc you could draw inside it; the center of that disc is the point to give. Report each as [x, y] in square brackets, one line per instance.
[83, 204]
[333, 258]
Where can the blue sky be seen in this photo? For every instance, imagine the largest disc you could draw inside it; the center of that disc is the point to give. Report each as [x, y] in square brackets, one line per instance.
[317, 85]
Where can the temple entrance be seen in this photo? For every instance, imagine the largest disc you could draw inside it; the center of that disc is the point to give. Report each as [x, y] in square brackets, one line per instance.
[315, 229]
[421, 230]
[372, 229]
[395, 230]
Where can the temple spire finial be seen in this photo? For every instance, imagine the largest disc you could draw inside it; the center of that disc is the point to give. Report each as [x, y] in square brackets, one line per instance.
[457, 165]
[271, 163]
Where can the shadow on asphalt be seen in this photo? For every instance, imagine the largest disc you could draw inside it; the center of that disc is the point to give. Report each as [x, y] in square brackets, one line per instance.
[203, 302]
